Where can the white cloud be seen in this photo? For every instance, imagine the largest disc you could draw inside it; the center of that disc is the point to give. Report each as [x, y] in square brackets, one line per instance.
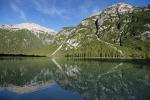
[16, 9]
[48, 8]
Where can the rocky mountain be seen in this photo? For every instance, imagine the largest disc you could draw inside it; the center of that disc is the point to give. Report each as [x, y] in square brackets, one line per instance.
[25, 38]
[121, 30]
[29, 26]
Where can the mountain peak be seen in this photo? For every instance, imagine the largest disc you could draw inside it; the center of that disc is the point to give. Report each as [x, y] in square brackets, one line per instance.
[122, 4]
[33, 27]
[121, 8]
[29, 26]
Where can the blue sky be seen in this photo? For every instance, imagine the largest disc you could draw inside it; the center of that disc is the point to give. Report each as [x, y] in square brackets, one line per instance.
[54, 14]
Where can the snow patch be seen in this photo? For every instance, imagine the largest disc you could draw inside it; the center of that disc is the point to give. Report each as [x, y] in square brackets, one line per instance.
[29, 26]
[72, 43]
[25, 40]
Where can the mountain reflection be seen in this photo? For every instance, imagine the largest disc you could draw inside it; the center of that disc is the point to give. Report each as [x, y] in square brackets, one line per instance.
[103, 80]
[25, 75]
[92, 79]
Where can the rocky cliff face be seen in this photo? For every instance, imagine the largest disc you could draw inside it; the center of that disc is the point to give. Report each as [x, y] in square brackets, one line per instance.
[120, 28]
[117, 22]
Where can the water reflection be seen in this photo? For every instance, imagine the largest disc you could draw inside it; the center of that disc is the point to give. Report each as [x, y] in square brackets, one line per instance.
[61, 79]
[24, 75]
[102, 80]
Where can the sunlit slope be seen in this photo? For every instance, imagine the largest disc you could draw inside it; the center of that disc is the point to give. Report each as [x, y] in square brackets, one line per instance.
[121, 30]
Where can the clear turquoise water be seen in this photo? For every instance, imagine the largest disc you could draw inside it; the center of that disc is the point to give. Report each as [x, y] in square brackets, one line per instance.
[57, 79]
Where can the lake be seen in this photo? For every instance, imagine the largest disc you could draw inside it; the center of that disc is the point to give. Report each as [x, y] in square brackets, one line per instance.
[62, 79]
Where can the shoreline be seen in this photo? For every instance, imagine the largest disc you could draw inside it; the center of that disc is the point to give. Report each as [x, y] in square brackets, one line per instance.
[74, 58]
[18, 55]
[106, 58]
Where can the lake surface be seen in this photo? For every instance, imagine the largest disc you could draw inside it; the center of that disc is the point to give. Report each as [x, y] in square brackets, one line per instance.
[56, 79]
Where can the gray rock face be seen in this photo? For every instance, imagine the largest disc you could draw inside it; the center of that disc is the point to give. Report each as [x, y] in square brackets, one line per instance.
[119, 25]
[115, 21]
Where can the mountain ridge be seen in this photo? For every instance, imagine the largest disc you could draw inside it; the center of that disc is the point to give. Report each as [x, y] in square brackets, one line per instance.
[29, 26]
[110, 33]
[25, 39]
[121, 30]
